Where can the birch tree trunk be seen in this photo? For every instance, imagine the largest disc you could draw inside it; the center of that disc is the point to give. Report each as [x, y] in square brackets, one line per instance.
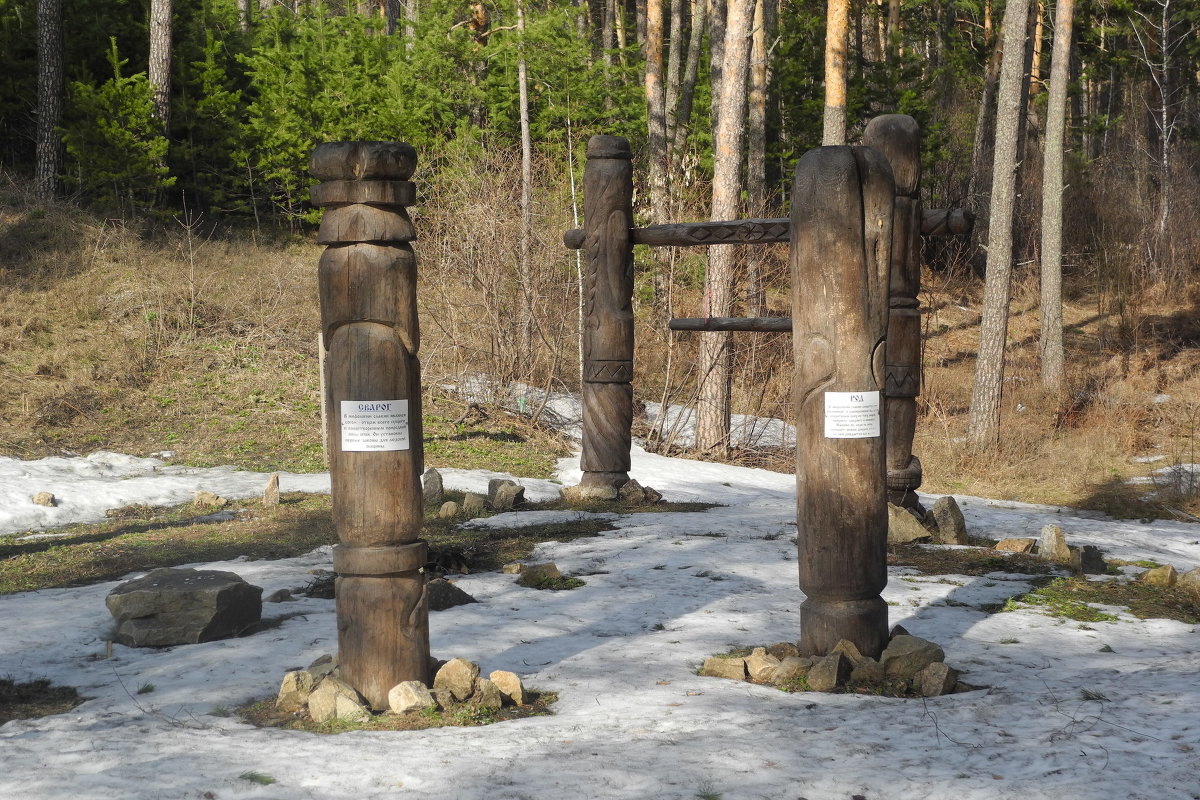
[526, 194]
[837, 32]
[160, 60]
[983, 422]
[712, 413]
[243, 11]
[48, 156]
[1051, 339]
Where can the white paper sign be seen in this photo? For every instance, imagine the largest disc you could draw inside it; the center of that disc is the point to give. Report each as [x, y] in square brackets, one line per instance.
[851, 415]
[374, 425]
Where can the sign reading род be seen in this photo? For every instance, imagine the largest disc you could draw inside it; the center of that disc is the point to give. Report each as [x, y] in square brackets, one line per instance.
[851, 415]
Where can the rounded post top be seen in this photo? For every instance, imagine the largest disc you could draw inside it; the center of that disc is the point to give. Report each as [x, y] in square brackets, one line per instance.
[601, 146]
[363, 161]
[898, 137]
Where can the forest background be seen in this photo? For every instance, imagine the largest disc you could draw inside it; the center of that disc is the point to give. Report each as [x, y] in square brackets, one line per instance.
[157, 252]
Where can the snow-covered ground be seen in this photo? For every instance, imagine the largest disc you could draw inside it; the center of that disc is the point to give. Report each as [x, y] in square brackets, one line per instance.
[662, 591]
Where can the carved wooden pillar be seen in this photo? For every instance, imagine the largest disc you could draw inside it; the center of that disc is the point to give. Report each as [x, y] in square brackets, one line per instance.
[368, 277]
[608, 312]
[898, 137]
[841, 237]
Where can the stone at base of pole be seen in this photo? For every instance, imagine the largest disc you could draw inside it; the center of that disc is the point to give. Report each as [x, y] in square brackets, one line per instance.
[825, 623]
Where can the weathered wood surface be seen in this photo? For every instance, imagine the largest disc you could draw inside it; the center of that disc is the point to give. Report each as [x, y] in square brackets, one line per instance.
[934, 222]
[840, 262]
[608, 312]
[367, 285]
[759, 324]
[898, 138]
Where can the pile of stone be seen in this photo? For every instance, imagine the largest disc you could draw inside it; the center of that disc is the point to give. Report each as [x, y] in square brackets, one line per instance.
[630, 493]
[1052, 546]
[1168, 576]
[943, 524]
[502, 495]
[318, 692]
[908, 665]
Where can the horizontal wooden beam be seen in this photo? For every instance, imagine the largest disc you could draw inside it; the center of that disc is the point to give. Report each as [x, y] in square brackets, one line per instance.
[935, 222]
[759, 324]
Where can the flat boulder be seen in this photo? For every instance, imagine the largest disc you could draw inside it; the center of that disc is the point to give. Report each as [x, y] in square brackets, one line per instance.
[183, 606]
[905, 656]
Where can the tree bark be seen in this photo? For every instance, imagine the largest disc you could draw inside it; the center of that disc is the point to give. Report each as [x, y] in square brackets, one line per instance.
[656, 112]
[687, 89]
[525, 278]
[983, 425]
[756, 144]
[712, 413]
[837, 31]
[243, 9]
[160, 60]
[1051, 339]
[48, 158]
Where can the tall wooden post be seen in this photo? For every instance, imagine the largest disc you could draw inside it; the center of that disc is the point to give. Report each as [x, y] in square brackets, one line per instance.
[368, 278]
[841, 237]
[898, 137]
[608, 312]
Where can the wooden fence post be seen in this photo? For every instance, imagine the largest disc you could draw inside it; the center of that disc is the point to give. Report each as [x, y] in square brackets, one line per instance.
[367, 278]
[841, 237]
[608, 313]
[898, 137]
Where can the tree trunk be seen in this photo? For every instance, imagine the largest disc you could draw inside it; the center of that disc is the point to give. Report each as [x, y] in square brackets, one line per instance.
[756, 145]
[243, 9]
[160, 61]
[411, 15]
[656, 112]
[525, 278]
[979, 187]
[1052, 201]
[48, 163]
[674, 70]
[712, 413]
[983, 425]
[687, 89]
[718, 15]
[837, 30]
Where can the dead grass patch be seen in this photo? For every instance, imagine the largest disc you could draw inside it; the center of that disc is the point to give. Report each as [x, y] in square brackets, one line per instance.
[34, 699]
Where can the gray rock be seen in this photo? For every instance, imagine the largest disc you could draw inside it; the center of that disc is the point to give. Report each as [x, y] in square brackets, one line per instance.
[295, 690]
[634, 494]
[45, 499]
[1160, 576]
[486, 695]
[494, 486]
[904, 527]
[457, 676]
[1190, 582]
[512, 689]
[951, 526]
[431, 487]
[279, 596]
[587, 494]
[782, 650]
[898, 630]
[323, 665]
[761, 665]
[443, 697]
[473, 504]
[271, 492]
[792, 668]
[410, 696]
[449, 510]
[1088, 560]
[443, 595]
[652, 495]
[335, 699]
[1052, 545]
[935, 680]
[1017, 545]
[512, 569]
[905, 656]
[867, 672]
[508, 496]
[534, 574]
[850, 650]
[183, 606]
[829, 672]
[722, 667]
[209, 500]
